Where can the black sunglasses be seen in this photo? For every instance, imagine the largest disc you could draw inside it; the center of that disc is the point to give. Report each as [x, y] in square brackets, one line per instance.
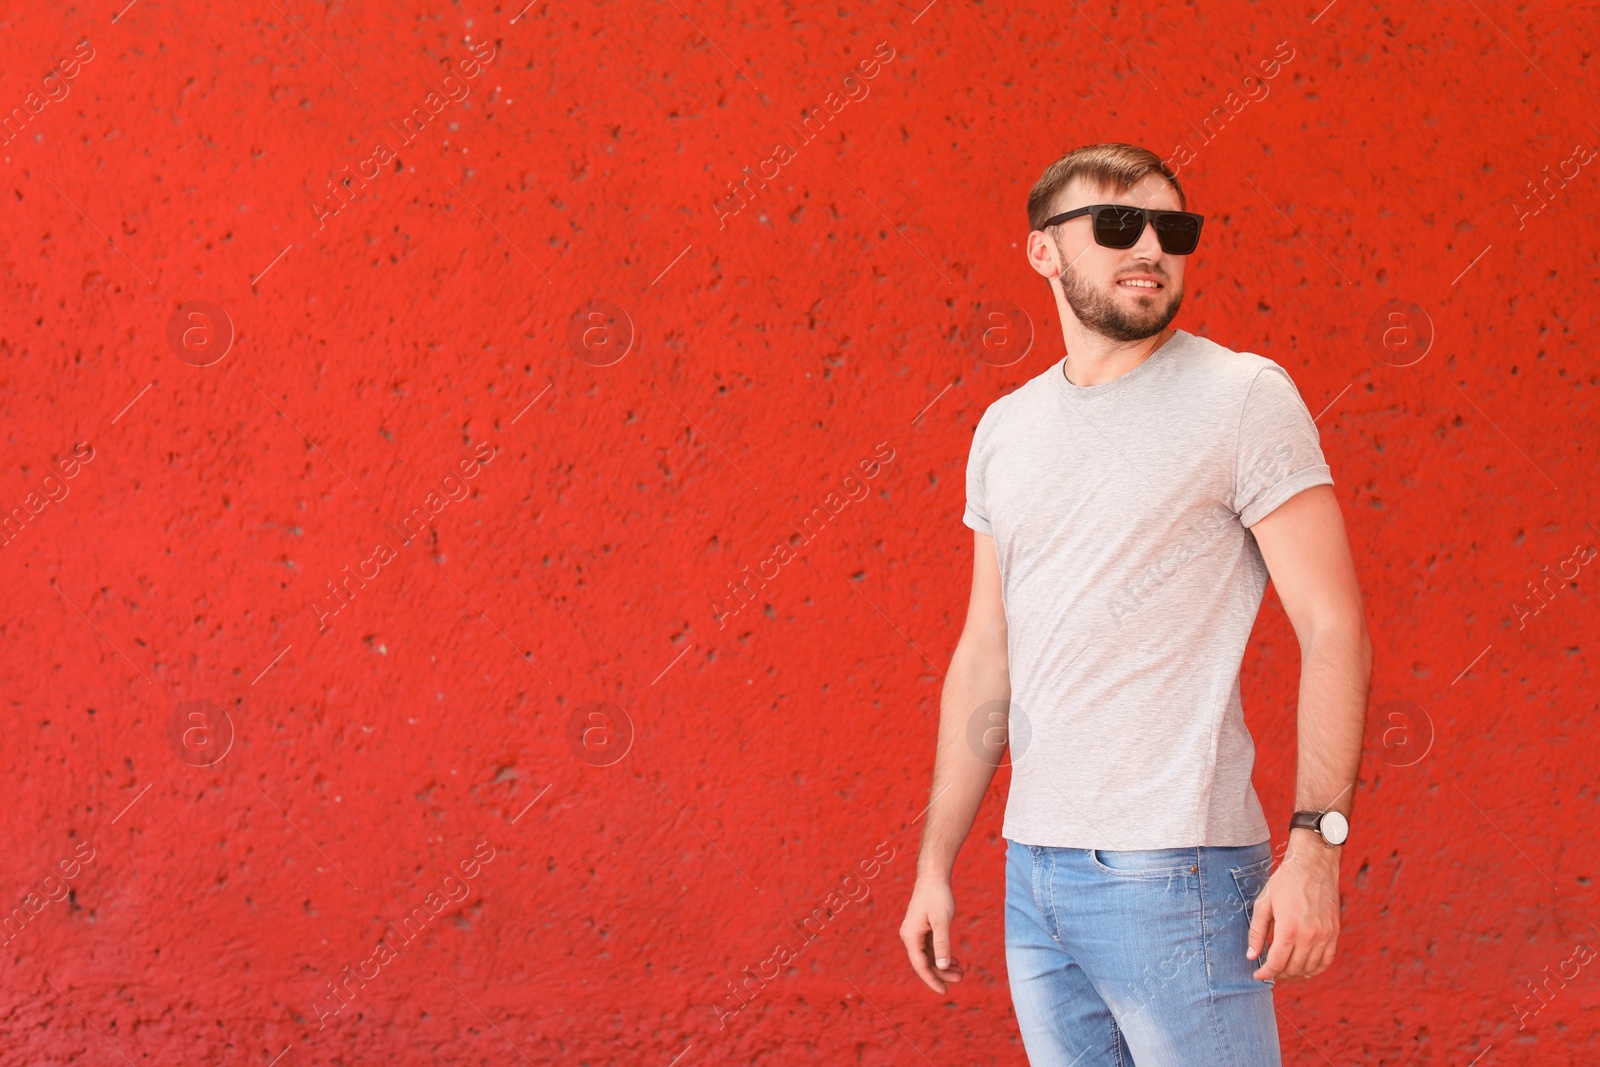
[1120, 226]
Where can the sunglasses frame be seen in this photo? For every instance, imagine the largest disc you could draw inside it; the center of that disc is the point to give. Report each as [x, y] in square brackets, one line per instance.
[1151, 217]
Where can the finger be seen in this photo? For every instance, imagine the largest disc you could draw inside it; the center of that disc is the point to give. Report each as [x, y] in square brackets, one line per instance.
[1275, 965]
[946, 967]
[1320, 946]
[1317, 957]
[1322, 957]
[1259, 921]
[1294, 963]
[1327, 961]
[913, 935]
[939, 938]
[1267, 966]
[1272, 966]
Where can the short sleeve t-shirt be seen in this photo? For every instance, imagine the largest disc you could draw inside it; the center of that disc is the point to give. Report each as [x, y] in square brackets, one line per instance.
[1120, 514]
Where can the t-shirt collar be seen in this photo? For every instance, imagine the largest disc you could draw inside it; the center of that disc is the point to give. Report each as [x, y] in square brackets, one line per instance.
[1058, 373]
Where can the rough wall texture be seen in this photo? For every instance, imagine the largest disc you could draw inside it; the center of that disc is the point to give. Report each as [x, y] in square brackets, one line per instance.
[394, 391]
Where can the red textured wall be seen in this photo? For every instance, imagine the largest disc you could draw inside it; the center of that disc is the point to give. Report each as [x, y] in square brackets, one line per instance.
[611, 388]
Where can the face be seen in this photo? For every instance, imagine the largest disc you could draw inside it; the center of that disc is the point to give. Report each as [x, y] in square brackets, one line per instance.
[1098, 283]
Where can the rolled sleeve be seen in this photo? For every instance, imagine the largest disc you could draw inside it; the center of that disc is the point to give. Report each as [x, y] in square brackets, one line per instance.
[1280, 451]
[976, 515]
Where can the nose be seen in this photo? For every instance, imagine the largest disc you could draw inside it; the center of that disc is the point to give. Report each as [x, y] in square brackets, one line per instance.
[1148, 241]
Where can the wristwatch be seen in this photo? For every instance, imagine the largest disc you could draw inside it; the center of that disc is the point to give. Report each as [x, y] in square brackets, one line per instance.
[1332, 825]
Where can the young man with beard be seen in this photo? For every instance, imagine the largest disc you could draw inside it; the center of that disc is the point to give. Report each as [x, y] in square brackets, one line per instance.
[1129, 505]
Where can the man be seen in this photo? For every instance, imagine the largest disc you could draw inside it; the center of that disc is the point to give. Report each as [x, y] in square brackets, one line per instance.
[1128, 506]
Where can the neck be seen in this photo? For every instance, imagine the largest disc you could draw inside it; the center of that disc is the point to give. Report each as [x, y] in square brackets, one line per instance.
[1093, 359]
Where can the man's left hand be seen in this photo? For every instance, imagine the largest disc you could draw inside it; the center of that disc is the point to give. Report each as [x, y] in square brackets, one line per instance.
[1300, 906]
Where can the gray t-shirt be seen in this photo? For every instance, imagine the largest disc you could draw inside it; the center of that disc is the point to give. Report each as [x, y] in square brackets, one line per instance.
[1119, 514]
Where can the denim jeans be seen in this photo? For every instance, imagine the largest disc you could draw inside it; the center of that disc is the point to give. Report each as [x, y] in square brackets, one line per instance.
[1136, 959]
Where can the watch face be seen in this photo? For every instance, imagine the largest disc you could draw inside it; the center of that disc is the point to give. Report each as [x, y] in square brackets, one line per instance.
[1335, 827]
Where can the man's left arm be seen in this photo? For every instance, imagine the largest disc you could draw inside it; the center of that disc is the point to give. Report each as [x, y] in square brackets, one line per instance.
[1307, 553]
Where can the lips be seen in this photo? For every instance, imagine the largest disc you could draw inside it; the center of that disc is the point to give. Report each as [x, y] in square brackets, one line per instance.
[1149, 284]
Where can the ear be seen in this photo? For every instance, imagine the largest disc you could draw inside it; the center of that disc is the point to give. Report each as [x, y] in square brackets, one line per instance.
[1043, 255]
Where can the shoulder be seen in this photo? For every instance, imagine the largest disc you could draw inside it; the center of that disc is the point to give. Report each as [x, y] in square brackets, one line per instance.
[1224, 365]
[1013, 407]
[1245, 379]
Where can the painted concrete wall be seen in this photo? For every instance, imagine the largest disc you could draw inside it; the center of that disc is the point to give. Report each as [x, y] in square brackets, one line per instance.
[392, 394]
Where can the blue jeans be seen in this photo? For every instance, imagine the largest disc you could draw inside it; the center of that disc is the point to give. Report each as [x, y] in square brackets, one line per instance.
[1137, 958]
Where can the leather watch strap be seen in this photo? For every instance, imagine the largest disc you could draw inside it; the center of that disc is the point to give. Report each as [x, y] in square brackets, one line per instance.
[1305, 820]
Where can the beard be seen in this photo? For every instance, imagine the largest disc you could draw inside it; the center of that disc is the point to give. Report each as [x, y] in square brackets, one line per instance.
[1104, 314]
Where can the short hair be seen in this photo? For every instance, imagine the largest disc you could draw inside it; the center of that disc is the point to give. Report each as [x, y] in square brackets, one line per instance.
[1107, 166]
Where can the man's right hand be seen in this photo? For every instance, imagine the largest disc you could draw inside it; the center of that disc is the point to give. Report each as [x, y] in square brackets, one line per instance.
[926, 933]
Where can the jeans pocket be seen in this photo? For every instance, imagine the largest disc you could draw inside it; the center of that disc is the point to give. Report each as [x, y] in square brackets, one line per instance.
[1146, 862]
[1251, 879]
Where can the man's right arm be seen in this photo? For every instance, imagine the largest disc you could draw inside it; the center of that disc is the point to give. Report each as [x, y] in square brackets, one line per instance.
[972, 736]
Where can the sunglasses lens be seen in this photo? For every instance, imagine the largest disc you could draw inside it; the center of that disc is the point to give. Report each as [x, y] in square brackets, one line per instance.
[1178, 234]
[1118, 227]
